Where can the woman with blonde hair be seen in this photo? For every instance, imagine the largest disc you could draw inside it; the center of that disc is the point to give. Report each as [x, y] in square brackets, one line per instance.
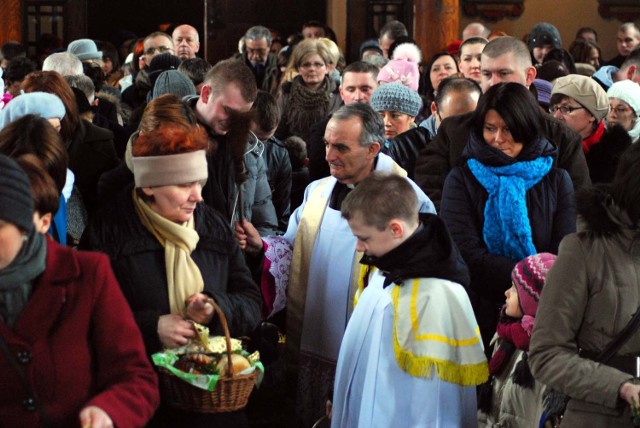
[311, 95]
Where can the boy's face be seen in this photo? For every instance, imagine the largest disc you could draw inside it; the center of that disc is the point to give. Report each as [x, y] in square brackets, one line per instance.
[513, 303]
[371, 240]
[261, 133]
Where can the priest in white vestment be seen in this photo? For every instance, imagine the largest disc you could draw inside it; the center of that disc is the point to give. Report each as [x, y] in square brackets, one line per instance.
[324, 269]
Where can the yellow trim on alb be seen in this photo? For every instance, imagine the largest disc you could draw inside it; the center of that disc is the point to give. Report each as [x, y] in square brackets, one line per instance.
[423, 352]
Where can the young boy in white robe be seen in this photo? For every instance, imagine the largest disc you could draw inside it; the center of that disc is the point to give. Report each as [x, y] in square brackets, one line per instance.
[412, 354]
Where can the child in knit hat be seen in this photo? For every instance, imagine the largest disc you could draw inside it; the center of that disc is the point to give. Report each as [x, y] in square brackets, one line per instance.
[512, 397]
[398, 105]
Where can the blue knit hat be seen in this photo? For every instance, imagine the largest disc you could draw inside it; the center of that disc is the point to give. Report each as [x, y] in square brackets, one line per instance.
[544, 34]
[84, 49]
[396, 97]
[173, 82]
[43, 104]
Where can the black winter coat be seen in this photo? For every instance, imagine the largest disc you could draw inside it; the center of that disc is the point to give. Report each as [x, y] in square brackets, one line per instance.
[137, 259]
[318, 166]
[551, 211]
[91, 153]
[603, 157]
[404, 148]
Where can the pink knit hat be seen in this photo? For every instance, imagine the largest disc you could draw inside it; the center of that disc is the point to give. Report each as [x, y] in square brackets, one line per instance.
[403, 67]
[528, 276]
[401, 71]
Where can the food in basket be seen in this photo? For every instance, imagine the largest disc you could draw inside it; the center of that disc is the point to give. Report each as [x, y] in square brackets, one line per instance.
[238, 362]
[184, 373]
[207, 355]
[196, 364]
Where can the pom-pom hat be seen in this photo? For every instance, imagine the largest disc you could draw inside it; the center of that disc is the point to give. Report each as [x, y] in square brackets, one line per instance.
[528, 276]
[403, 68]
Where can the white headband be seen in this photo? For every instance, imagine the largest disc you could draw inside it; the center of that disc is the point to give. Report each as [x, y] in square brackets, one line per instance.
[152, 171]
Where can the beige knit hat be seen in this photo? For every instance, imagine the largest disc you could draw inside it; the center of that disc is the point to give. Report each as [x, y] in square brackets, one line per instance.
[584, 90]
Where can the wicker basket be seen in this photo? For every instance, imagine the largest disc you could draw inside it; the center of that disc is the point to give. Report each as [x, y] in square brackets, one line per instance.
[230, 393]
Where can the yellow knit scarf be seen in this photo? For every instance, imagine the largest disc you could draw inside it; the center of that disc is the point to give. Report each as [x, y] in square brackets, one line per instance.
[184, 278]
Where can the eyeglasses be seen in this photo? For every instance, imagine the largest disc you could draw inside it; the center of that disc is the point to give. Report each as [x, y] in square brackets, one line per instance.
[564, 110]
[256, 51]
[621, 110]
[308, 65]
[161, 49]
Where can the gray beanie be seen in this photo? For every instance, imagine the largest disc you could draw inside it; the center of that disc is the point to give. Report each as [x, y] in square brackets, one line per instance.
[16, 200]
[544, 34]
[173, 82]
[585, 91]
[84, 49]
[396, 97]
[43, 104]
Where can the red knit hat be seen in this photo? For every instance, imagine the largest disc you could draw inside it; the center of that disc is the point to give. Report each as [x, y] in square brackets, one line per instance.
[528, 276]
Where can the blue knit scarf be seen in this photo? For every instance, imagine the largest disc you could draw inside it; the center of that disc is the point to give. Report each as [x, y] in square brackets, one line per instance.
[506, 230]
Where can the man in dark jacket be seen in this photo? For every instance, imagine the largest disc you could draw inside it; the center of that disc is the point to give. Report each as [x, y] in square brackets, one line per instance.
[455, 95]
[505, 59]
[359, 80]
[257, 56]
[227, 96]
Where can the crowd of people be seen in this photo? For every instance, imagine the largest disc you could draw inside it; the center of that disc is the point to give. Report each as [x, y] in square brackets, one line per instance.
[442, 239]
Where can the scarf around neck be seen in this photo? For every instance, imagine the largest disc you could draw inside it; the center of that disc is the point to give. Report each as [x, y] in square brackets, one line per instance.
[428, 253]
[16, 280]
[306, 106]
[514, 334]
[594, 138]
[506, 229]
[184, 278]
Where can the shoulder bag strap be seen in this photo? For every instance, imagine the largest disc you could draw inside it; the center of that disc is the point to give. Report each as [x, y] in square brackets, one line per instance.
[46, 420]
[622, 338]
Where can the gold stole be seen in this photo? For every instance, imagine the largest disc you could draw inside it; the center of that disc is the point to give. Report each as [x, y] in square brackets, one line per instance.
[306, 235]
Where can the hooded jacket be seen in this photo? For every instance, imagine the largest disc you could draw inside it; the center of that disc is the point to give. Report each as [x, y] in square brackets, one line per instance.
[551, 215]
[429, 253]
[590, 294]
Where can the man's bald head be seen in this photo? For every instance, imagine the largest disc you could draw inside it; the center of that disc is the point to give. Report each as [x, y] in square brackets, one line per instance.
[475, 29]
[186, 41]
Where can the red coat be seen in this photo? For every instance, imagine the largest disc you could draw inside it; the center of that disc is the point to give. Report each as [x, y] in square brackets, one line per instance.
[80, 346]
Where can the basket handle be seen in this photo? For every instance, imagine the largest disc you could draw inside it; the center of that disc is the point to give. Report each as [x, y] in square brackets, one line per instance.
[227, 335]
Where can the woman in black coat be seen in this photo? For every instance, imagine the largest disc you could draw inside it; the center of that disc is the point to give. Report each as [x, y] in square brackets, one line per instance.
[505, 202]
[171, 254]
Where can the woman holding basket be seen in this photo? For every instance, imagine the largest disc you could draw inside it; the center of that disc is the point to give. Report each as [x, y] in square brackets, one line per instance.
[173, 254]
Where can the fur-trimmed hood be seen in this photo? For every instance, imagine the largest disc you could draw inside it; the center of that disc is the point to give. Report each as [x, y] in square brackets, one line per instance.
[598, 213]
